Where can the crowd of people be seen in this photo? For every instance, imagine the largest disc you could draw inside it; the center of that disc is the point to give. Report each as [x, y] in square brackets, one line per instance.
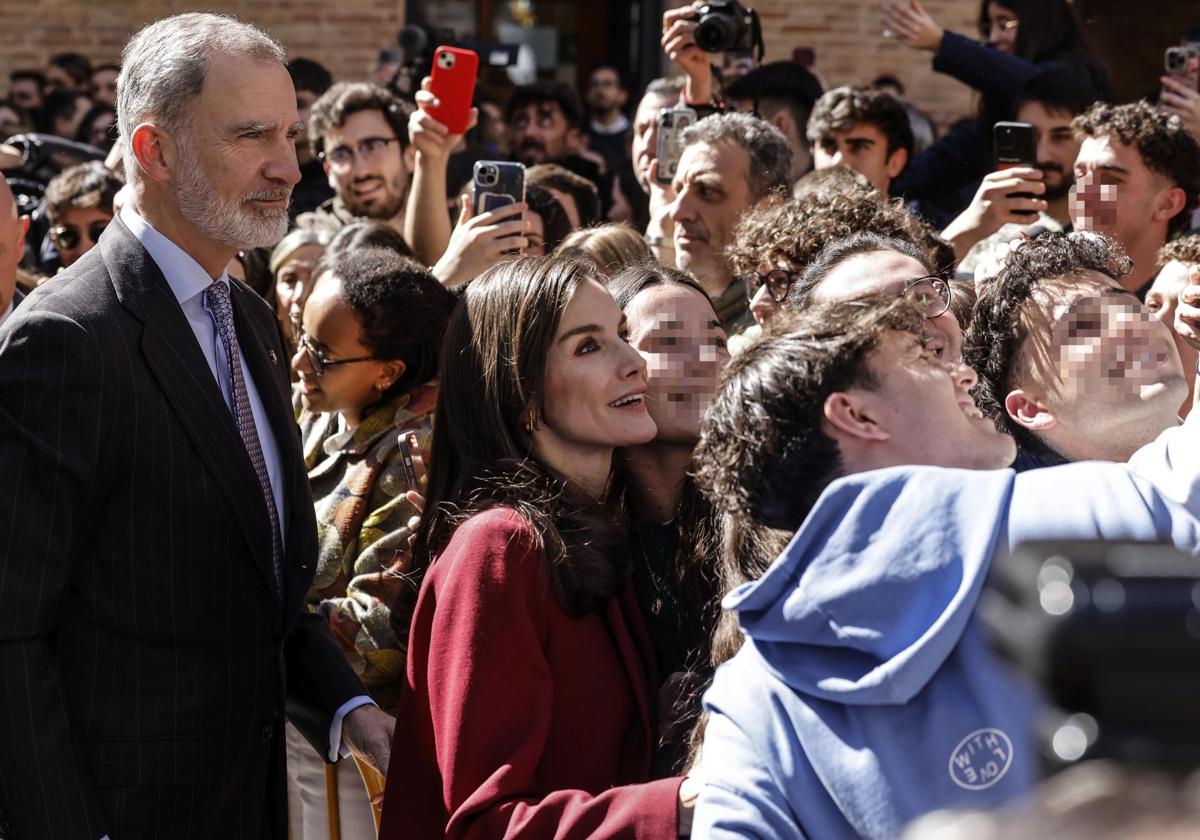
[343, 504]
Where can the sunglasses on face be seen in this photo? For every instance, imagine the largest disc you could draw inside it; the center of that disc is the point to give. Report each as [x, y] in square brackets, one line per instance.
[68, 237]
[778, 282]
[317, 358]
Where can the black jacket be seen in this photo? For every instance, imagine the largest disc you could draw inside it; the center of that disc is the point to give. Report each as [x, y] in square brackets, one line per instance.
[145, 659]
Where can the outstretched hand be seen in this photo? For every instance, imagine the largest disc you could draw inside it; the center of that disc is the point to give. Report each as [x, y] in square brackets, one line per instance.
[909, 23]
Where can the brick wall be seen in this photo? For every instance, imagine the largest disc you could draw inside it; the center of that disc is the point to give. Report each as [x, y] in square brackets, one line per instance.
[344, 35]
[845, 36]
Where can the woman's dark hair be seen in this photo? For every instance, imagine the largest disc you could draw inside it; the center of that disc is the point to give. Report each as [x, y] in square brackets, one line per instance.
[84, 134]
[555, 224]
[367, 234]
[256, 262]
[493, 372]
[694, 576]
[1045, 28]
[402, 308]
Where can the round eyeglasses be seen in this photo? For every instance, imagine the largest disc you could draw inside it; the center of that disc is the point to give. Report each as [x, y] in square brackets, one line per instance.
[777, 281]
[931, 294]
[317, 358]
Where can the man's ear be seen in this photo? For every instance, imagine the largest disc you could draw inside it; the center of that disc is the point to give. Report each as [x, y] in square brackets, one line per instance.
[847, 416]
[410, 158]
[1027, 411]
[1171, 202]
[22, 230]
[784, 122]
[154, 150]
[896, 163]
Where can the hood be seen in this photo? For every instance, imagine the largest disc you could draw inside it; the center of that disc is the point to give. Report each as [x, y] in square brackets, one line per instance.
[875, 589]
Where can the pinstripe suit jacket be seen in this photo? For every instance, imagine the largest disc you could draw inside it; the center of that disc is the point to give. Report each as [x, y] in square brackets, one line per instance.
[145, 660]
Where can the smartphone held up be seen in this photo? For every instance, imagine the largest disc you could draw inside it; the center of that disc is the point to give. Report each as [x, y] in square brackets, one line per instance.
[453, 83]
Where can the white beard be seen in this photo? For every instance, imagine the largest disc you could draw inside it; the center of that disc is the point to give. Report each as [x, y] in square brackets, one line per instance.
[235, 224]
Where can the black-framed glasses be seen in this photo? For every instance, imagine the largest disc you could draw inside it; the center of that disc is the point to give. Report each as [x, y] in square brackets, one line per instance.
[68, 237]
[778, 282]
[369, 149]
[319, 361]
[931, 294]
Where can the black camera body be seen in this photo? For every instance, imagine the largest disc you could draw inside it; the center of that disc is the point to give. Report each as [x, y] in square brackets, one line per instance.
[724, 25]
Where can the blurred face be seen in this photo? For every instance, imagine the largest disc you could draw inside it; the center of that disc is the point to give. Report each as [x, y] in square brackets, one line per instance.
[304, 102]
[595, 392]
[104, 81]
[10, 122]
[645, 136]
[539, 133]
[373, 181]
[77, 231]
[863, 148]
[25, 92]
[293, 282]
[1102, 365]
[1057, 147]
[1001, 28]
[102, 131]
[331, 331]
[59, 79]
[604, 91]
[1162, 300]
[1115, 193]
[68, 127]
[678, 334]
[924, 409]
[888, 272]
[236, 165]
[712, 191]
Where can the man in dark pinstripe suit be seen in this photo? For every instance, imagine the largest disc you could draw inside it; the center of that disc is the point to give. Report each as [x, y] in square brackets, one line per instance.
[156, 530]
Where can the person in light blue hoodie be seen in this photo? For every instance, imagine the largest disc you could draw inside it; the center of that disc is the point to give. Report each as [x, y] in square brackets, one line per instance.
[864, 695]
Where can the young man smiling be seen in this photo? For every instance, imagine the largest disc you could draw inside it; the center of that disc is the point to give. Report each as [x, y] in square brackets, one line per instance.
[864, 695]
[360, 132]
[866, 130]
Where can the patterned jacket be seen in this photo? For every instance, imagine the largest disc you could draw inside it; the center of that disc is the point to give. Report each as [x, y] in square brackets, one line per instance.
[358, 484]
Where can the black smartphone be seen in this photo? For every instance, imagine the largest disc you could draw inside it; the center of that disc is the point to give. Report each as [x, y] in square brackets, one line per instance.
[406, 461]
[496, 183]
[1015, 145]
[671, 123]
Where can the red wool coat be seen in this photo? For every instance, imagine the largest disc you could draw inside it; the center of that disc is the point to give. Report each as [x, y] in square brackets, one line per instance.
[515, 719]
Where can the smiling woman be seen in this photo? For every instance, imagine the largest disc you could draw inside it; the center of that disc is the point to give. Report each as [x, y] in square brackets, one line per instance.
[526, 615]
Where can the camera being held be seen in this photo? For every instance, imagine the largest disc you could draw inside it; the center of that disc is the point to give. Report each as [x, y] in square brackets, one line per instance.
[724, 25]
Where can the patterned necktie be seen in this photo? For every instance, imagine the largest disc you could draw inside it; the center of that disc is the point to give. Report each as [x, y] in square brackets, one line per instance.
[221, 308]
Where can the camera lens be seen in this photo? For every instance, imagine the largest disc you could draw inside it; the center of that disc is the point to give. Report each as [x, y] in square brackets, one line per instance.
[716, 32]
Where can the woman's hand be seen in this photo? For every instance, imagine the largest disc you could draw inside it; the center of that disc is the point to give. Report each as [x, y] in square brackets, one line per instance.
[908, 22]
[479, 242]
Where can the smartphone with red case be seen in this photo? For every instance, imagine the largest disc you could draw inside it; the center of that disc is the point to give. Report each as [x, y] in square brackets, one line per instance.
[453, 83]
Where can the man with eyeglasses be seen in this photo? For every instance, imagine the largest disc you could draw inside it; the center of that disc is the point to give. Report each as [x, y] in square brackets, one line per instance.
[79, 206]
[359, 131]
[868, 264]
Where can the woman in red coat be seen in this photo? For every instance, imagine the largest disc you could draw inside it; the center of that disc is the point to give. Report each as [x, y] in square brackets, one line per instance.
[526, 710]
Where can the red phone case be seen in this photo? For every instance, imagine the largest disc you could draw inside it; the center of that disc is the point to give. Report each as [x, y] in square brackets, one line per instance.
[454, 86]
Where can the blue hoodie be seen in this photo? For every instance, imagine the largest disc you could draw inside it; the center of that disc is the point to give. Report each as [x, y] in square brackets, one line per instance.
[864, 695]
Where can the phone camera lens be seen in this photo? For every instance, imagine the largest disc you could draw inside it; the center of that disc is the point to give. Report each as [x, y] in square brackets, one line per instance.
[446, 60]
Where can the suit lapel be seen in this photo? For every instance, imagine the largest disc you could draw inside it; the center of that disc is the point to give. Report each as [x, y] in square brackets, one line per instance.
[178, 365]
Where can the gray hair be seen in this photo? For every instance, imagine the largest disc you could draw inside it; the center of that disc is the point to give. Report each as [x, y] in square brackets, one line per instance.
[163, 67]
[770, 155]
